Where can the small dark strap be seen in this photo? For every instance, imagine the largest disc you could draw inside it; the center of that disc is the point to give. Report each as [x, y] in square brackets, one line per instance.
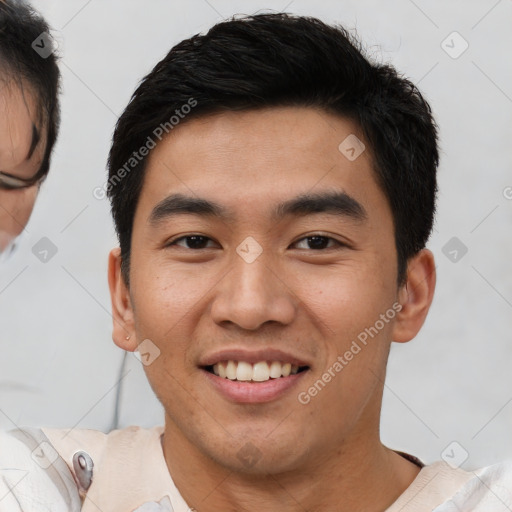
[411, 458]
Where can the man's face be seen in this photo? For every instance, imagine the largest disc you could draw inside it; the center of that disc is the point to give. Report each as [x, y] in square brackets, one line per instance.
[301, 262]
[21, 155]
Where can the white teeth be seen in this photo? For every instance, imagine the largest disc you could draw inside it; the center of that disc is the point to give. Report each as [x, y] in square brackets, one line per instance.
[275, 369]
[244, 371]
[258, 372]
[231, 370]
[221, 370]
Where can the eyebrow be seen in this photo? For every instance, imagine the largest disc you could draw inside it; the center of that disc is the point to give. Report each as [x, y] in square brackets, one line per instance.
[337, 203]
[35, 141]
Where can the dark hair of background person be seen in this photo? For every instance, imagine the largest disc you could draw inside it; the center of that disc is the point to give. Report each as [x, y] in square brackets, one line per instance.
[21, 65]
[272, 60]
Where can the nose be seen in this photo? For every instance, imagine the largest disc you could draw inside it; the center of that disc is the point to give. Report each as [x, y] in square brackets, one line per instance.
[252, 294]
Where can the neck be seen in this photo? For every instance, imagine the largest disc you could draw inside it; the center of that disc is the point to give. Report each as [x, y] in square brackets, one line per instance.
[360, 475]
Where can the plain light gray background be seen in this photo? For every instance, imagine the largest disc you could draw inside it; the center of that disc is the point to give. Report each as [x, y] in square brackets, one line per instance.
[58, 365]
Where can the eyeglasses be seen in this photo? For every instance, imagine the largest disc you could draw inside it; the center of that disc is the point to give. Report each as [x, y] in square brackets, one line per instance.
[9, 182]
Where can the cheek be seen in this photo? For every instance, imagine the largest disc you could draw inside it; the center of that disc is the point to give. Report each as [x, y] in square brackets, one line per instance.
[167, 302]
[347, 305]
[16, 207]
[346, 300]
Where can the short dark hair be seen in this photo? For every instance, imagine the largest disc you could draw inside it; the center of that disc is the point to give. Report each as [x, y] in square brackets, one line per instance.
[20, 27]
[272, 60]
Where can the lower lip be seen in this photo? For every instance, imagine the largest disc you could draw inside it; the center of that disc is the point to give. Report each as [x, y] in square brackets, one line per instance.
[253, 392]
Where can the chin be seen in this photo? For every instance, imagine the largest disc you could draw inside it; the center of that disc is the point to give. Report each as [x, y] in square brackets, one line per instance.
[257, 455]
[259, 463]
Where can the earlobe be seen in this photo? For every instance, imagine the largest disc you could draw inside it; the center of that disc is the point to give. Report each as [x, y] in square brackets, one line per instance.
[123, 332]
[415, 296]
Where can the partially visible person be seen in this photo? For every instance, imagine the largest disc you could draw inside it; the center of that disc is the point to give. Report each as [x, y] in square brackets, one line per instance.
[29, 115]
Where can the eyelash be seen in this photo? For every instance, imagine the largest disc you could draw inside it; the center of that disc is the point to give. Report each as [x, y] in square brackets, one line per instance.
[314, 235]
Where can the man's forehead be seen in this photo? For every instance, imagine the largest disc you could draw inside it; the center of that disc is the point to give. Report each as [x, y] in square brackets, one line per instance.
[294, 127]
[284, 139]
[229, 172]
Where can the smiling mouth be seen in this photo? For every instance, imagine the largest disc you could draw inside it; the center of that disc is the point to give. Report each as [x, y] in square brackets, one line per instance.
[261, 371]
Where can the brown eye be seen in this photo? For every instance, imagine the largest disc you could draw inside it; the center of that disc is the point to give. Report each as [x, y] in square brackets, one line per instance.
[317, 242]
[192, 242]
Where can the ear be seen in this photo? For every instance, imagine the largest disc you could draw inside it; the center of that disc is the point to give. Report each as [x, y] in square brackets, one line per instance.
[415, 296]
[123, 332]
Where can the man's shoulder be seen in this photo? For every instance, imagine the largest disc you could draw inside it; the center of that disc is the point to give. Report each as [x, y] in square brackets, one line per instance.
[122, 447]
[441, 487]
[488, 488]
[97, 443]
[52, 469]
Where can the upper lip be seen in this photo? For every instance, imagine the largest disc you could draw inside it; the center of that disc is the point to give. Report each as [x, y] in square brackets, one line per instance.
[251, 356]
